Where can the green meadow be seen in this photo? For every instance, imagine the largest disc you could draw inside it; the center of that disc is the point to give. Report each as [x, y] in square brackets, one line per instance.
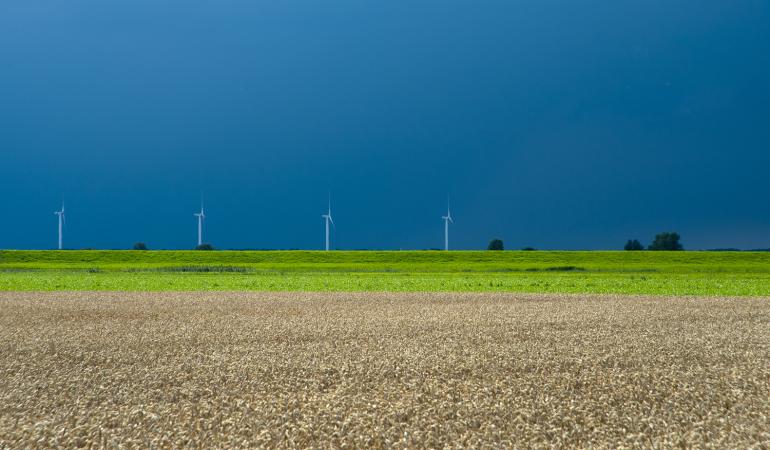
[657, 273]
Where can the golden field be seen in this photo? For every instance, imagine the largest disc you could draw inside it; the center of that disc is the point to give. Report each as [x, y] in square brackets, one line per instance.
[230, 370]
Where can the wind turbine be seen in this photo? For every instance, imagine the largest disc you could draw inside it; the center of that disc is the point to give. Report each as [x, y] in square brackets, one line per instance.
[328, 219]
[447, 220]
[61, 225]
[201, 215]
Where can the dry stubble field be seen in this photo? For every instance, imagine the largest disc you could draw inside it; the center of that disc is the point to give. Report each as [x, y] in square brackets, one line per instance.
[377, 369]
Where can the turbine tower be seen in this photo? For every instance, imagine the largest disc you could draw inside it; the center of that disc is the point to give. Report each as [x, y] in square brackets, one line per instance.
[200, 217]
[328, 219]
[447, 220]
[61, 225]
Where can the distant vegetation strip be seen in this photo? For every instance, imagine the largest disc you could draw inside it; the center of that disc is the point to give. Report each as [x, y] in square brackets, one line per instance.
[554, 282]
[393, 261]
[655, 273]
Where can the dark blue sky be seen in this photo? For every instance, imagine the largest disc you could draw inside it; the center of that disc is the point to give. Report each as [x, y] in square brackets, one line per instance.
[550, 123]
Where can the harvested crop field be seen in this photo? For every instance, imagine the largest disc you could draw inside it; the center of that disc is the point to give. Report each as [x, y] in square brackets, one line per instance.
[297, 369]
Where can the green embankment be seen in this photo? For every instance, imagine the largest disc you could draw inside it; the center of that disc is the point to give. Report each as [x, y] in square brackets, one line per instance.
[664, 273]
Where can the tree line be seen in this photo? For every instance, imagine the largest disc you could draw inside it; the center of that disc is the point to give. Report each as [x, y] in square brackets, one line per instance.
[663, 242]
[667, 241]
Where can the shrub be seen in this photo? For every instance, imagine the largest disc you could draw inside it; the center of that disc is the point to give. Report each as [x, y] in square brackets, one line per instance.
[204, 247]
[633, 245]
[666, 242]
[140, 246]
[495, 244]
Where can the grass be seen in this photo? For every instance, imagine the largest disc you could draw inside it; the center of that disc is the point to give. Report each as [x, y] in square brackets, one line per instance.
[659, 273]
[376, 370]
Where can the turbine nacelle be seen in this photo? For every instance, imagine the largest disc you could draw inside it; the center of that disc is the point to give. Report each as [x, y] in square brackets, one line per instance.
[447, 220]
[201, 216]
[60, 214]
[61, 225]
[328, 220]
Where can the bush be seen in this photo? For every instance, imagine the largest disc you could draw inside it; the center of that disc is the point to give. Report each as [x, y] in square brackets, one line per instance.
[495, 244]
[528, 249]
[633, 245]
[140, 246]
[204, 247]
[666, 242]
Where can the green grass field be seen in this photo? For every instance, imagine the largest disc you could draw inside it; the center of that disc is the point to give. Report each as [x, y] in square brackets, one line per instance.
[661, 273]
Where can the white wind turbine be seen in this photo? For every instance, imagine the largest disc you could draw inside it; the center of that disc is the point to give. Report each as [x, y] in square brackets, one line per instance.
[447, 220]
[61, 225]
[328, 219]
[201, 215]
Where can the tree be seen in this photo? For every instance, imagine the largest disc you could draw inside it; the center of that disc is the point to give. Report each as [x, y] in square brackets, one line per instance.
[204, 247]
[140, 246]
[633, 245]
[495, 244]
[666, 242]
